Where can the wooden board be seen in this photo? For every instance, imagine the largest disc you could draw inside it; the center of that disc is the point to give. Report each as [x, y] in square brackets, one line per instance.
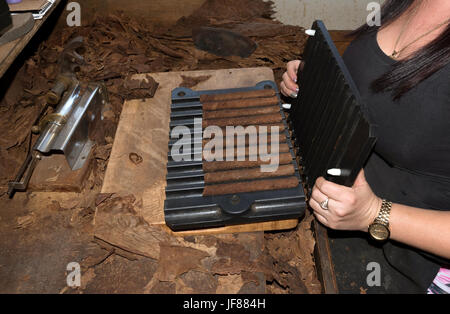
[323, 258]
[144, 130]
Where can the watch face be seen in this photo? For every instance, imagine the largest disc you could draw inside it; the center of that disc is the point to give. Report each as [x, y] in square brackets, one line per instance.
[379, 232]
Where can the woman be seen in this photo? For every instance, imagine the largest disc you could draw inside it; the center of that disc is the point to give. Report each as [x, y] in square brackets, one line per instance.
[402, 70]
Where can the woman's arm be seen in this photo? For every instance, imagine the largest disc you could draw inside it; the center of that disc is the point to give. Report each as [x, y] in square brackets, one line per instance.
[355, 208]
[428, 230]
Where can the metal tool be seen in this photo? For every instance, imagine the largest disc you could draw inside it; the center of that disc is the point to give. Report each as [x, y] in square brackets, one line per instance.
[68, 129]
[69, 63]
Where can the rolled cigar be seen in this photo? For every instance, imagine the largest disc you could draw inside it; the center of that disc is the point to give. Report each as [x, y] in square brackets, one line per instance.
[254, 130]
[285, 158]
[251, 186]
[249, 140]
[248, 174]
[243, 152]
[238, 95]
[240, 112]
[240, 103]
[244, 121]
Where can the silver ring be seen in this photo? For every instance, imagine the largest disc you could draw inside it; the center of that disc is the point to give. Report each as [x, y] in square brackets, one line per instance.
[324, 204]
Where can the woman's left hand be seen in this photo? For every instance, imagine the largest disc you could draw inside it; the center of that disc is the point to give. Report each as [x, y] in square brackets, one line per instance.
[352, 208]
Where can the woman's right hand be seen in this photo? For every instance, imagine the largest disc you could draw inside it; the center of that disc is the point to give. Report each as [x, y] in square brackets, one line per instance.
[289, 85]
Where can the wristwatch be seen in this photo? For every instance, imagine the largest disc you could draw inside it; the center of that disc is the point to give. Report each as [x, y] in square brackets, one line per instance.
[379, 229]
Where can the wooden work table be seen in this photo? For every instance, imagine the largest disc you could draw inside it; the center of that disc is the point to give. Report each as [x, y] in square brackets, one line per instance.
[10, 51]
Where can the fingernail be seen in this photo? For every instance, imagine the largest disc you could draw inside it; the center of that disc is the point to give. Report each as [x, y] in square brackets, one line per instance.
[287, 106]
[294, 95]
[297, 90]
[295, 80]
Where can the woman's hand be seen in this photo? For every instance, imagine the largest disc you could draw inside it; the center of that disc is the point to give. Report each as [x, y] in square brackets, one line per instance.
[288, 85]
[352, 208]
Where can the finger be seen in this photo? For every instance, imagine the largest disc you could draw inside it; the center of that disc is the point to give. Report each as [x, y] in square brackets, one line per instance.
[292, 69]
[332, 190]
[290, 84]
[284, 90]
[321, 219]
[318, 209]
[318, 212]
[317, 195]
[360, 179]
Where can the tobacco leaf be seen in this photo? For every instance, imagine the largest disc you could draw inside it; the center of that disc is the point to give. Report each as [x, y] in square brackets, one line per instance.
[177, 260]
[196, 282]
[230, 284]
[190, 81]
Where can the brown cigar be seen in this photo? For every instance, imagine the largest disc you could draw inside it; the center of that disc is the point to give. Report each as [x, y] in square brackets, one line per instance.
[243, 152]
[284, 158]
[240, 112]
[244, 121]
[238, 95]
[249, 140]
[240, 103]
[252, 130]
[248, 174]
[252, 186]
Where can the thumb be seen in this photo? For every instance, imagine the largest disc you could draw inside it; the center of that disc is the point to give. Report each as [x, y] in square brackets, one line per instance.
[360, 179]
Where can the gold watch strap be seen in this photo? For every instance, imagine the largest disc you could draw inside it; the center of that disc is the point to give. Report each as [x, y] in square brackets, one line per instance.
[385, 212]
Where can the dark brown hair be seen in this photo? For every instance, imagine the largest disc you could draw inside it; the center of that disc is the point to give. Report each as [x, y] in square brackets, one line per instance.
[408, 73]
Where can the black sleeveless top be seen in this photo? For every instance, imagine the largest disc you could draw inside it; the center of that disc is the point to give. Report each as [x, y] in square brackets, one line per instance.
[410, 164]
